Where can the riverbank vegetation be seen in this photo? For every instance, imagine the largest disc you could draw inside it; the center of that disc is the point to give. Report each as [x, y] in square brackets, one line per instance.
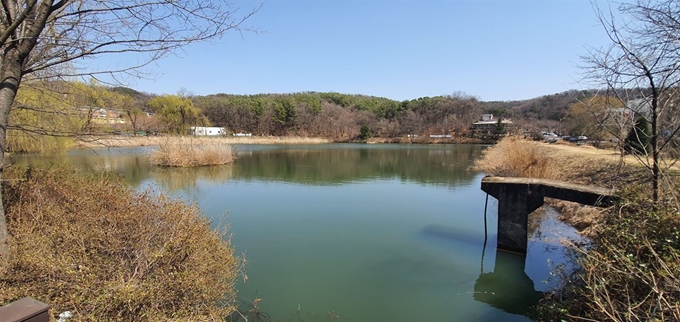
[187, 152]
[631, 269]
[93, 246]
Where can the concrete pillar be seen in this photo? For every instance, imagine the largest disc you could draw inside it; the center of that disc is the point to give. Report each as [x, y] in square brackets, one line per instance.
[515, 203]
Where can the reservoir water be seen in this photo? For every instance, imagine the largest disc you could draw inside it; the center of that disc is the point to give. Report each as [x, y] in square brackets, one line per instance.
[353, 232]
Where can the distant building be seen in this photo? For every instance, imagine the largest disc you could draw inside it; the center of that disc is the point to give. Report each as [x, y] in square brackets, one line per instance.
[207, 131]
[487, 127]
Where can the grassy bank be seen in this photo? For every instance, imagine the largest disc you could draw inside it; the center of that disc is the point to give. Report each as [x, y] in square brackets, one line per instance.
[93, 246]
[631, 272]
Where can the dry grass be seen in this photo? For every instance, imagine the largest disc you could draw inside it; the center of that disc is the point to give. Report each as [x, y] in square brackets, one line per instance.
[187, 152]
[632, 271]
[513, 157]
[93, 246]
[130, 141]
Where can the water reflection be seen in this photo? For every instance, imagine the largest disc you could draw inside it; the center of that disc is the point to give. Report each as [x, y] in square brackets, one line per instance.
[309, 165]
[339, 164]
[187, 179]
[508, 287]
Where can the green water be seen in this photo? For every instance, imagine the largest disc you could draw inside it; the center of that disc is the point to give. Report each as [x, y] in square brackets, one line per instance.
[368, 232]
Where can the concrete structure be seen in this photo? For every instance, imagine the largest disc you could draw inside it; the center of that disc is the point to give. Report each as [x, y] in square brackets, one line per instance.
[25, 310]
[518, 197]
[207, 131]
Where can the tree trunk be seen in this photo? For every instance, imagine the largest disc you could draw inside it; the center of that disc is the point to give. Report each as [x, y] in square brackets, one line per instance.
[10, 78]
[655, 150]
[13, 57]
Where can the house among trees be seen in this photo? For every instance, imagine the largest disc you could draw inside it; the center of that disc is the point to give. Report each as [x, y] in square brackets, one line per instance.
[490, 127]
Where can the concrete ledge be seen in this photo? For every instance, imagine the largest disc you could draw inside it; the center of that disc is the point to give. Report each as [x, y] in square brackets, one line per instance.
[583, 194]
[25, 310]
[518, 197]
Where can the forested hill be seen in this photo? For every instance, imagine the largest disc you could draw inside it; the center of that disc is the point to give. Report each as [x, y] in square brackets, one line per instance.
[343, 116]
[549, 107]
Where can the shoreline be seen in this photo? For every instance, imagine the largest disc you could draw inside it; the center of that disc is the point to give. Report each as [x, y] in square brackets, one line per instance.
[135, 141]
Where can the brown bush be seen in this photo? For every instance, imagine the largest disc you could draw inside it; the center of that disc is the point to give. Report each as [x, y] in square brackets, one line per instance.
[93, 246]
[190, 152]
[513, 157]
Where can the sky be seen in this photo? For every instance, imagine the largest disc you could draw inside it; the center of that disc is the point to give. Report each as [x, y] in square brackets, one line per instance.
[496, 50]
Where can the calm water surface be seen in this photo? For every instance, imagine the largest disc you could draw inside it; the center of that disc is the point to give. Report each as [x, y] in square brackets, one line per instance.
[368, 232]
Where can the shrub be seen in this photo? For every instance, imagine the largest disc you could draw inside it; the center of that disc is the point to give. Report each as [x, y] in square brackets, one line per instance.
[513, 157]
[93, 246]
[189, 152]
[365, 132]
[640, 137]
[632, 271]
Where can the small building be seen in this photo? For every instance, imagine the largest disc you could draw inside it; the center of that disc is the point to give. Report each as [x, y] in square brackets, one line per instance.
[207, 131]
[487, 127]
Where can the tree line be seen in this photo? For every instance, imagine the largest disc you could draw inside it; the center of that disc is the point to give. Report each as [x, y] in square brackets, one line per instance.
[73, 107]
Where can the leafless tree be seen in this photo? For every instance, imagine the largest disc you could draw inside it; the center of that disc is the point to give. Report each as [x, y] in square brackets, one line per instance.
[641, 67]
[40, 37]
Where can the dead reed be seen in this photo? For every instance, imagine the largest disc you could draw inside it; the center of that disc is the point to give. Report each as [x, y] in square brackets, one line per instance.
[513, 157]
[189, 152]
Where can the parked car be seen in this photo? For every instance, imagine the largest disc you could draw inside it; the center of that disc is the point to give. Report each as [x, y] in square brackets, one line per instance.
[582, 138]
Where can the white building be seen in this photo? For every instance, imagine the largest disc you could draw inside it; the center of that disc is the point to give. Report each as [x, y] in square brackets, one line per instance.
[207, 131]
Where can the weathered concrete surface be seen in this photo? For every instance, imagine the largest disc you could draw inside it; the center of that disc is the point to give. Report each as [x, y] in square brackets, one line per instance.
[25, 310]
[518, 197]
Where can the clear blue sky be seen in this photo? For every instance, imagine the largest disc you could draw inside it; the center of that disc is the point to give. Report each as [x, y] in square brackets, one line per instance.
[400, 49]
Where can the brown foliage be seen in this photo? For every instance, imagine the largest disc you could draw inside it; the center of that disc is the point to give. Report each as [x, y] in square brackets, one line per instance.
[95, 247]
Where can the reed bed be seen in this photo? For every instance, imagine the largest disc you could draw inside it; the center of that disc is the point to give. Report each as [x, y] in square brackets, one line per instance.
[513, 157]
[188, 152]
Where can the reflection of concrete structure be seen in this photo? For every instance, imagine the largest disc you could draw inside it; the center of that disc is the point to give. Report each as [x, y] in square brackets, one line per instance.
[508, 287]
[518, 197]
